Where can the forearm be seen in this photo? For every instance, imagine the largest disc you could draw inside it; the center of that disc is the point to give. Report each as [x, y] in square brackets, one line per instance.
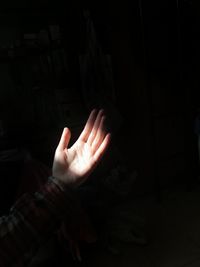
[31, 221]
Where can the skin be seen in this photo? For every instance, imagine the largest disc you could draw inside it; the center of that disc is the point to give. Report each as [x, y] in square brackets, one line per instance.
[72, 166]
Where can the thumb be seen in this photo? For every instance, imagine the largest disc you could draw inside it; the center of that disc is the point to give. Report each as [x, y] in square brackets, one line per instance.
[64, 140]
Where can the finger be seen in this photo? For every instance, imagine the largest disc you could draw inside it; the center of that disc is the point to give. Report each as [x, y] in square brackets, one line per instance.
[65, 138]
[102, 148]
[78, 254]
[72, 246]
[99, 136]
[88, 126]
[95, 128]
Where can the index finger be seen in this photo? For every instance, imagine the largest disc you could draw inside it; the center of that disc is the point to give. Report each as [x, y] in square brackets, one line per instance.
[88, 126]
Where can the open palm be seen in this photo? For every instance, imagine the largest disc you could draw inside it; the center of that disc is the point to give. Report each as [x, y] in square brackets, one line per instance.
[73, 165]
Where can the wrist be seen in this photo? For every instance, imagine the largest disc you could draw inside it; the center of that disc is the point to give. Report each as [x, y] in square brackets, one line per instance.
[62, 185]
[60, 201]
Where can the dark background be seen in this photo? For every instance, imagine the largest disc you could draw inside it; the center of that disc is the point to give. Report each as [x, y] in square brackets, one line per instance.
[154, 50]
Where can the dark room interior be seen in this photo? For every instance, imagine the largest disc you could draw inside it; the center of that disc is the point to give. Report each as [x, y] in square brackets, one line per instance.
[139, 62]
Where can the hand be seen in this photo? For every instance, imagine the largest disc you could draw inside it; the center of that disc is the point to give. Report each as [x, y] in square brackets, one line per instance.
[73, 166]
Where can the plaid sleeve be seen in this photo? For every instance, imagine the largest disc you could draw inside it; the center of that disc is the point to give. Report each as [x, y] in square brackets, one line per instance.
[31, 221]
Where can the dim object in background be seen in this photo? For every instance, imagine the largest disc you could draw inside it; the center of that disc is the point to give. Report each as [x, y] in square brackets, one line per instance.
[2, 130]
[11, 161]
[117, 222]
[97, 76]
[124, 226]
[43, 38]
[64, 60]
[30, 39]
[54, 32]
[57, 62]
[120, 181]
[197, 131]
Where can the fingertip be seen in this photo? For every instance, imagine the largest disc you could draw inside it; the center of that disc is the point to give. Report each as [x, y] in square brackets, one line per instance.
[97, 111]
[92, 115]
[65, 138]
[101, 111]
[107, 141]
[94, 110]
[108, 136]
[66, 130]
[102, 122]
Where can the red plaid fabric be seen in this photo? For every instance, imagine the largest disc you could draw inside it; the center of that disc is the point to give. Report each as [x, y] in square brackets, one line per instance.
[31, 220]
